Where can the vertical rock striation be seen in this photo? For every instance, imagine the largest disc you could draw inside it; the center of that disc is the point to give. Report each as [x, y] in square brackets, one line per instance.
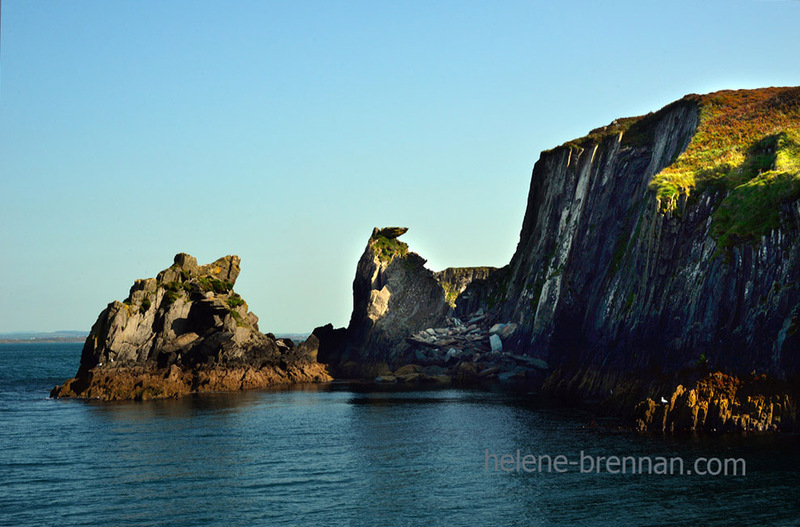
[619, 275]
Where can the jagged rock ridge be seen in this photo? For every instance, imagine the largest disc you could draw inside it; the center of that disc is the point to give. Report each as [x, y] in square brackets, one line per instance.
[394, 295]
[185, 330]
[718, 403]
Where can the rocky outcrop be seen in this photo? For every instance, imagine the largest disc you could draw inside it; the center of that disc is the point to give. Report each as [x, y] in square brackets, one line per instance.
[719, 402]
[454, 280]
[186, 331]
[401, 321]
[143, 382]
[393, 294]
[394, 297]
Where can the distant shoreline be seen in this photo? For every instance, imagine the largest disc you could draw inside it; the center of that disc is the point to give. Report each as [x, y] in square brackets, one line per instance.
[44, 340]
[80, 339]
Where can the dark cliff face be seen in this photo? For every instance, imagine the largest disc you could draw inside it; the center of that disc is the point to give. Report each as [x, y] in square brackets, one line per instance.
[393, 295]
[612, 275]
[653, 251]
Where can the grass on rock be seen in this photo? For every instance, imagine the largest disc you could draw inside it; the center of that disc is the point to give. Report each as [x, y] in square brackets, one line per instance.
[747, 145]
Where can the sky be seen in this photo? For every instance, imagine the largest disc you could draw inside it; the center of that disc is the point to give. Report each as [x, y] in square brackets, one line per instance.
[285, 131]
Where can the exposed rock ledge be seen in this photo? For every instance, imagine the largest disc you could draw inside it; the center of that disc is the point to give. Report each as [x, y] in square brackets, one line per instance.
[721, 403]
[143, 383]
[186, 331]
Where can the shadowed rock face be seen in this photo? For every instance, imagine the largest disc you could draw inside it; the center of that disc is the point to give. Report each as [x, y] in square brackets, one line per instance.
[455, 280]
[606, 281]
[185, 320]
[394, 296]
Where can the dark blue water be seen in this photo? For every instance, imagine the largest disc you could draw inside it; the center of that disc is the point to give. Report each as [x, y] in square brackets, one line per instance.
[337, 455]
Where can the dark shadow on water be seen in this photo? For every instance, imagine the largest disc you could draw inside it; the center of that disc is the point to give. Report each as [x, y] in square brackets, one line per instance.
[198, 403]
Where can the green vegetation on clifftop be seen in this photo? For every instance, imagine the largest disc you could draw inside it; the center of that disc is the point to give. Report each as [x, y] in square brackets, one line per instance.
[598, 135]
[747, 145]
[753, 208]
[633, 131]
[387, 248]
[235, 301]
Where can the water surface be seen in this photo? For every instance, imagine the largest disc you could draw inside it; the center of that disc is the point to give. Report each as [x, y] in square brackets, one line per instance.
[339, 454]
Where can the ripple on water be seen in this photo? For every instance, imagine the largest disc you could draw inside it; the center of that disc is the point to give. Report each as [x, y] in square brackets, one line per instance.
[334, 455]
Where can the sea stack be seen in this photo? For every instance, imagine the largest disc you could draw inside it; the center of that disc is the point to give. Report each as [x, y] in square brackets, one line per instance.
[394, 297]
[185, 331]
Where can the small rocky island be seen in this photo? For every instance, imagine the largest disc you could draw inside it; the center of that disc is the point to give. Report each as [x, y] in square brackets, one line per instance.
[186, 331]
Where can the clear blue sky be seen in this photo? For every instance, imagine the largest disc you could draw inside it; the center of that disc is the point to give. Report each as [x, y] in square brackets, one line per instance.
[284, 131]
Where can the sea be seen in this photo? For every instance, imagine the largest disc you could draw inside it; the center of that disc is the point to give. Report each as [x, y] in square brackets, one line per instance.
[345, 454]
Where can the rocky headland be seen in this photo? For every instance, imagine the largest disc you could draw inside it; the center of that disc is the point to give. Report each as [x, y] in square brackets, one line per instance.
[186, 331]
[657, 271]
[657, 274]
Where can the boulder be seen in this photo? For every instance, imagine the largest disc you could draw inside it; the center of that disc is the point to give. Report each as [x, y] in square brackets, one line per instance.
[507, 330]
[408, 369]
[494, 329]
[389, 232]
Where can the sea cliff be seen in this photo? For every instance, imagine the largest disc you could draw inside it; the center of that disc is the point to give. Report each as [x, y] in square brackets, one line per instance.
[654, 252]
